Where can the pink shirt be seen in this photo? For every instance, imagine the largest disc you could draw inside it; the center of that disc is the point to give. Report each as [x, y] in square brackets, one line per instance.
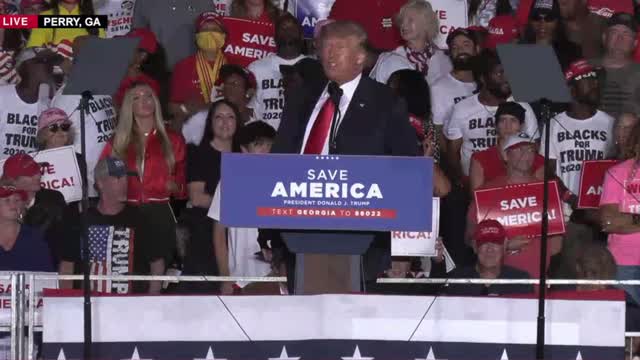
[625, 248]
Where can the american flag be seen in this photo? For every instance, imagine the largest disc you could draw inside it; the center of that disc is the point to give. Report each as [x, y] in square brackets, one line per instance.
[110, 253]
[100, 240]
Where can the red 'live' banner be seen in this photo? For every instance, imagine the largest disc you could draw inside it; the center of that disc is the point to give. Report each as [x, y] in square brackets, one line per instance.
[248, 40]
[591, 179]
[519, 208]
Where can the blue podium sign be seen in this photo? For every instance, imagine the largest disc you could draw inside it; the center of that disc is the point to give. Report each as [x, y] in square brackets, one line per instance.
[310, 192]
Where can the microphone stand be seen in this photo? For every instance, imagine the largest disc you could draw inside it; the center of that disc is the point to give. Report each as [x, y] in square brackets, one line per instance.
[86, 284]
[546, 119]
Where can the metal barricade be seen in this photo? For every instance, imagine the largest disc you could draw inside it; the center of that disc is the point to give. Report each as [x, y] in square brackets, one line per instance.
[24, 285]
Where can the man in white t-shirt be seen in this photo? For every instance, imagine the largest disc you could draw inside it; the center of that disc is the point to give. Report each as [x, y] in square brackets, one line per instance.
[120, 13]
[100, 124]
[471, 127]
[581, 133]
[268, 101]
[21, 104]
[457, 85]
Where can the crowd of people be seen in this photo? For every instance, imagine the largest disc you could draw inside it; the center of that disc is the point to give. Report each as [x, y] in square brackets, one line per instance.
[154, 147]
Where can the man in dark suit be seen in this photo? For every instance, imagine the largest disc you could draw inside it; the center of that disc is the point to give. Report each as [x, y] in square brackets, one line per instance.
[369, 121]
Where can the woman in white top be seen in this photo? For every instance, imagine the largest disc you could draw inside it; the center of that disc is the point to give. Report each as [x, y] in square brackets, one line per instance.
[418, 25]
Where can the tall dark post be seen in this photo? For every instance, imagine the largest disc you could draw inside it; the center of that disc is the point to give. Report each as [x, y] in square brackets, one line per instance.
[546, 118]
[86, 283]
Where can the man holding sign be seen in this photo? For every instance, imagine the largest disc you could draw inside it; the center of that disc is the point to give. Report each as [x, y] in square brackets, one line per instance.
[520, 213]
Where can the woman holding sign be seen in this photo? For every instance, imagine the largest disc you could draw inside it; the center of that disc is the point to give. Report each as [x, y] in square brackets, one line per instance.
[523, 252]
[157, 155]
[489, 164]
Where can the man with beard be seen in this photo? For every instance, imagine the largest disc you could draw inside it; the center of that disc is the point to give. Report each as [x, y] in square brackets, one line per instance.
[471, 126]
[268, 102]
[457, 85]
[581, 133]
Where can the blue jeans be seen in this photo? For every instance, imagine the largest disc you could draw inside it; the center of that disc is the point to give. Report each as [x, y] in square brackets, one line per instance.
[630, 273]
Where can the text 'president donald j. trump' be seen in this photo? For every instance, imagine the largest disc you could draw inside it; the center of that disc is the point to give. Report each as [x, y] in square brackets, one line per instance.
[350, 115]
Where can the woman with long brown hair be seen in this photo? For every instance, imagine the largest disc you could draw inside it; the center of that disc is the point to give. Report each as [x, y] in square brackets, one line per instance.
[157, 155]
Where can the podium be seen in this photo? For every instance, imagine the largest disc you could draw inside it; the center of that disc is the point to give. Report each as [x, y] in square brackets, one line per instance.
[329, 208]
[327, 262]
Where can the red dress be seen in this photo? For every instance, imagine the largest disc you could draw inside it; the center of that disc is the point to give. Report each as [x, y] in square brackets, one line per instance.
[150, 186]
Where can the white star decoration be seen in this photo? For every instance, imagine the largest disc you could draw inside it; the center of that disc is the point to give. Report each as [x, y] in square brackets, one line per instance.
[61, 355]
[357, 356]
[210, 356]
[504, 355]
[284, 355]
[135, 355]
[579, 357]
[431, 355]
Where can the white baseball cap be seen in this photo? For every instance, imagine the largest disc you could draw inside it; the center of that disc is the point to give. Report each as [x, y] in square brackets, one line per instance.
[515, 140]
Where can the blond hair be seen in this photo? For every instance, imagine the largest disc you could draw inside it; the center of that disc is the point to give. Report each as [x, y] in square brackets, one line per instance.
[424, 8]
[127, 131]
[342, 29]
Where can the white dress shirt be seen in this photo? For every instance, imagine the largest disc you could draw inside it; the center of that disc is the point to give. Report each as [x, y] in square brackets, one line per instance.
[348, 89]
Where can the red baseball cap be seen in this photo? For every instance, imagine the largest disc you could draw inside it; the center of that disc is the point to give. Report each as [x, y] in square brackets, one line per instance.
[579, 69]
[20, 165]
[6, 191]
[209, 16]
[503, 29]
[148, 41]
[489, 231]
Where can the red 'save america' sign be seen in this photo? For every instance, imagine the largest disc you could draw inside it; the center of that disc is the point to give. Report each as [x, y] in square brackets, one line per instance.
[519, 208]
[591, 179]
[248, 40]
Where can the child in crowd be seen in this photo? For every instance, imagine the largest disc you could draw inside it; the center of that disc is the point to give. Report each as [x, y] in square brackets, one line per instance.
[236, 248]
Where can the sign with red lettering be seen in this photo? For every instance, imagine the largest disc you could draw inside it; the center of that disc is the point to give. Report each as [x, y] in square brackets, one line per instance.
[418, 243]
[248, 40]
[519, 208]
[5, 296]
[60, 171]
[591, 179]
[452, 14]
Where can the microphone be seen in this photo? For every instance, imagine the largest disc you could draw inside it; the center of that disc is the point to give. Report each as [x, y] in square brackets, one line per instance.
[335, 93]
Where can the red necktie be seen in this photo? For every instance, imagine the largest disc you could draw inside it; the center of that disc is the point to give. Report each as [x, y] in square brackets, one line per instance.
[320, 130]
